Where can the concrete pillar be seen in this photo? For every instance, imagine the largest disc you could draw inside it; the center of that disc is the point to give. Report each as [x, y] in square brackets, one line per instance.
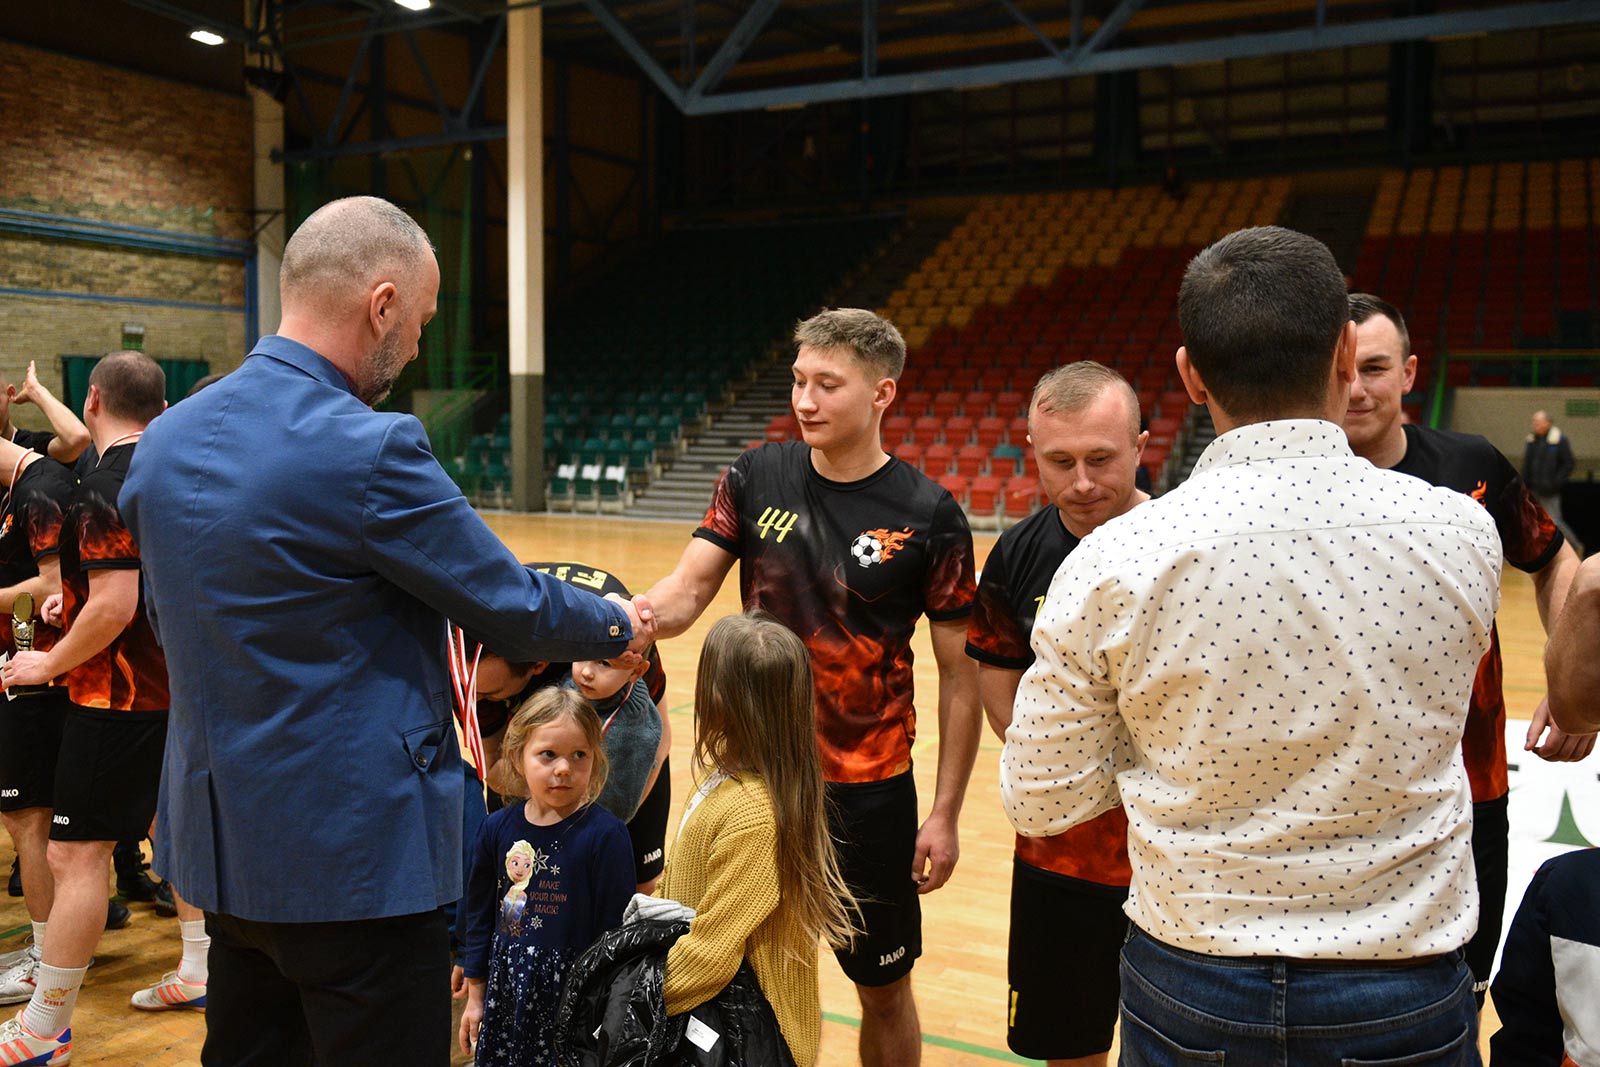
[525, 252]
[270, 215]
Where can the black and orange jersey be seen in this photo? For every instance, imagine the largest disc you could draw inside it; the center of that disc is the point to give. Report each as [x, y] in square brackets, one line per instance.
[129, 674]
[30, 531]
[849, 567]
[1015, 580]
[1469, 464]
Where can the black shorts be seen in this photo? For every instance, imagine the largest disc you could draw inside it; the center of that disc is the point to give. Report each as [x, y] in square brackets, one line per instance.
[30, 741]
[874, 826]
[648, 827]
[108, 774]
[1062, 964]
[1491, 855]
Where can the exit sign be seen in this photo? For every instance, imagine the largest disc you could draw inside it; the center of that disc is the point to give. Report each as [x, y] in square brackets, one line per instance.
[1583, 409]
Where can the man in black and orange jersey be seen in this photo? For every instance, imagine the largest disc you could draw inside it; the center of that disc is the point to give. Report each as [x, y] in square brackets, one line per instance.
[1067, 891]
[67, 437]
[847, 546]
[115, 725]
[38, 492]
[1467, 463]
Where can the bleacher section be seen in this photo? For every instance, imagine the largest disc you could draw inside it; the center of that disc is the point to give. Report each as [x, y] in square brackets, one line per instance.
[1490, 258]
[635, 362]
[1027, 282]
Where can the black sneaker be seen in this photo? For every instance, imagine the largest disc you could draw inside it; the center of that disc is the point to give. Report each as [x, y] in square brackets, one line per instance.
[164, 904]
[14, 887]
[137, 887]
[116, 915]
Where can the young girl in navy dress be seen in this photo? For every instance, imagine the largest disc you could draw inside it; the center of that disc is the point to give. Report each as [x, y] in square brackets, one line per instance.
[548, 877]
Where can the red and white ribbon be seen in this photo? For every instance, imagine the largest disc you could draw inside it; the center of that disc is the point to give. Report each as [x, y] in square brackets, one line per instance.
[464, 683]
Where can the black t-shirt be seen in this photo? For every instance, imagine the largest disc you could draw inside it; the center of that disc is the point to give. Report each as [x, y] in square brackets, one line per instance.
[1469, 464]
[38, 440]
[30, 531]
[849, 567]
[1014, 582]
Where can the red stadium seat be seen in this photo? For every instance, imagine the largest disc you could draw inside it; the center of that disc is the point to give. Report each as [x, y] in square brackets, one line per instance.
[971, 460]
[983, 495]
[938, 460]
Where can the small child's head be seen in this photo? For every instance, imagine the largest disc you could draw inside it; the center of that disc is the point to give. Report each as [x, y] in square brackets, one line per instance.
[754, 705]
[554, 751]
[598, 679]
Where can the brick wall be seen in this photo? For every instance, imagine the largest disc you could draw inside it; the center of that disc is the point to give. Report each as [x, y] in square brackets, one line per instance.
[89, 141]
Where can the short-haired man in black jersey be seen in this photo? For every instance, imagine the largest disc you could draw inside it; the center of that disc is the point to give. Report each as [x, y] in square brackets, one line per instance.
[67, 437]
[1385, 371]
[1067, 891]
[848, 546]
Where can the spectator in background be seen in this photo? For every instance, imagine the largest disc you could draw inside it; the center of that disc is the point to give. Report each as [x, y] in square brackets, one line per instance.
[1547, 463]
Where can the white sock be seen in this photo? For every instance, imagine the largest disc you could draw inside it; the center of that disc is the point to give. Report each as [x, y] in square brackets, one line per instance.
[196, 949]
[48, 1017]
[37, 948]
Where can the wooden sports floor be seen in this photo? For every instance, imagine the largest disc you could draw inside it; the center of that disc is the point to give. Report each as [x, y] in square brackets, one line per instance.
[960, 980]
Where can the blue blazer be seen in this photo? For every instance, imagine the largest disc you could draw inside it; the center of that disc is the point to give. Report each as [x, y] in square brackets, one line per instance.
[301, 553]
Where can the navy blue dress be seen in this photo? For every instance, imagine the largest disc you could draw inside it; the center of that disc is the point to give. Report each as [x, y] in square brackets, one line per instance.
[537, 896]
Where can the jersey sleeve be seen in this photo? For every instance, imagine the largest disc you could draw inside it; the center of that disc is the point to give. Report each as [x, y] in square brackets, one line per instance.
[949, 589]
[721, 523]
[42, 518]
[993, 636]
[1527, 533]
[104, 542]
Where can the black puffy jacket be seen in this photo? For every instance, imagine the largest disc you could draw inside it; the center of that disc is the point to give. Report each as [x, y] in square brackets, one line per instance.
[613, 1011]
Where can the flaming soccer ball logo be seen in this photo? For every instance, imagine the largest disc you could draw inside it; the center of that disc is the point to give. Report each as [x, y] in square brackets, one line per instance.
[876, 546]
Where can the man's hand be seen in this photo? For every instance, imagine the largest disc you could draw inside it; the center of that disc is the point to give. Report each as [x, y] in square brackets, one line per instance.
[1556, 745]
[938, 848]
[642, 617]
[26, 668]
[50, 611]
[29, 393]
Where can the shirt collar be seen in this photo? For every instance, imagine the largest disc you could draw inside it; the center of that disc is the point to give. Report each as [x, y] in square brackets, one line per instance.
[304, 358]
[1278, 439]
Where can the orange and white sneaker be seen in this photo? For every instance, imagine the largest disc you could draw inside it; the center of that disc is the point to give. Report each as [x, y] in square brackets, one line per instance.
[171, 993]
[19, 1048]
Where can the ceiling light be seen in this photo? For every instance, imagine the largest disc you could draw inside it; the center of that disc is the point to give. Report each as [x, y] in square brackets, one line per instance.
[206, 37]
[415, 5]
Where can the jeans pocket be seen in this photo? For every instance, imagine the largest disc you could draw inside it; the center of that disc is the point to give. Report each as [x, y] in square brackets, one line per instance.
[1459, 1053]
[1145, 1046]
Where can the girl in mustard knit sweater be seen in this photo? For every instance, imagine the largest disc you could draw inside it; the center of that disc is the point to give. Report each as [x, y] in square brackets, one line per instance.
[753, 855]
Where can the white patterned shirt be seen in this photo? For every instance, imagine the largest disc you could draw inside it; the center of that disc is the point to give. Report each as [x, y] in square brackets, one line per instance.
[1270, 666]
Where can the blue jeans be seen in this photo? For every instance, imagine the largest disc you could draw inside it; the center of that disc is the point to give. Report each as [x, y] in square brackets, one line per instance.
[1182, 1008]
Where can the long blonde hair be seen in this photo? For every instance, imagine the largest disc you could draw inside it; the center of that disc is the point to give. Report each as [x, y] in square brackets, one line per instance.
[755, 714]
[548, 705]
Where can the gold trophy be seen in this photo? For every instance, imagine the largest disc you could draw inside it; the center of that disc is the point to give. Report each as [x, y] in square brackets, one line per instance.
[22, 633]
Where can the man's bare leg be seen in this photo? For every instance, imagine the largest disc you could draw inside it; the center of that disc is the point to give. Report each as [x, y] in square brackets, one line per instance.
[30, 833]
[891, 1032]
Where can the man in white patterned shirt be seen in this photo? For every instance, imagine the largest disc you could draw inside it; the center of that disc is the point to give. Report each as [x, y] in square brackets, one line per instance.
[1269, 668]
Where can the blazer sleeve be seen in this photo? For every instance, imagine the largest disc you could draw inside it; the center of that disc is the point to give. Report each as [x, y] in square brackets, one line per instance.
[420, 533]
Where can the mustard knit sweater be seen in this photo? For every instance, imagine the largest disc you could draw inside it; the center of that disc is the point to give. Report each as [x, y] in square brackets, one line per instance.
[725, 866]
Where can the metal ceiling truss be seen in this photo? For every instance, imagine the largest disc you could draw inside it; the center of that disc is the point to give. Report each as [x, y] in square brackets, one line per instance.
[1076, 57]
[697, 89]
